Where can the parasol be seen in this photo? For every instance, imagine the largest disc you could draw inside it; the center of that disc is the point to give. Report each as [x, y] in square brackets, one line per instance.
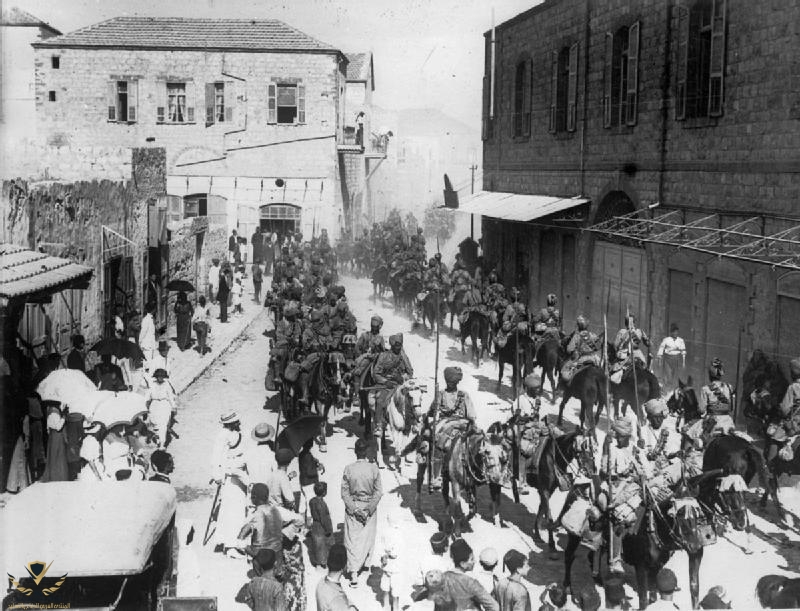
[120, 408]
[180, 285]
[296, 434]
[68, 386]
[89, 402]
[118, 347]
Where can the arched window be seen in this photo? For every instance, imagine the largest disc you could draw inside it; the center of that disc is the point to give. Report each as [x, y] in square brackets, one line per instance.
[620, 95]
[564, 89]
[701, 59]
[522, 99]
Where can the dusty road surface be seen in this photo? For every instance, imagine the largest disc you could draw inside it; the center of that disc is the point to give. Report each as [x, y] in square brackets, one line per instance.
[236, 381]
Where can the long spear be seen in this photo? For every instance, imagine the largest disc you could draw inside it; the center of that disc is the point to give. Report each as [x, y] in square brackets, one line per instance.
[633, 364]
[435, 396]
[608, 416]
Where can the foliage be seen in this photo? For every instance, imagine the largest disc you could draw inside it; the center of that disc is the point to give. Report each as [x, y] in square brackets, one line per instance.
[411, 223]
[439, 223]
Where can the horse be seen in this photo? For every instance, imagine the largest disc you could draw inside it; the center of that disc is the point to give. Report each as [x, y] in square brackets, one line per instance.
[510, 353]
[404, 413]
[476, 328]
[778, 592]
[473, 459]
[682, 402]
[456, 306]
[325, 389]
[380, 281]
[428, 309]
[588, 385]
[764, 384]
[410, 287]
[626, 395]
[554, 459]
[549, 356]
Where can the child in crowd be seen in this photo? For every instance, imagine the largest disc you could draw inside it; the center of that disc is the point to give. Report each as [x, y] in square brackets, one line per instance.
[236, 296]
[320, 536]
[486, 575]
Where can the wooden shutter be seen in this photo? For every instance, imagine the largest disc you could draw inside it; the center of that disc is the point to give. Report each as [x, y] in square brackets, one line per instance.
[210, 104]
[526, 98]
[717, 68]
[609, 59]
[272, 103]
[112, 100]
[133, 101]
[301, 103]
[190, 101]
[633, 74]
[161, 97]
[485, 134]
[553, 91]
[683, 63]
[229, 92]
[572, 88]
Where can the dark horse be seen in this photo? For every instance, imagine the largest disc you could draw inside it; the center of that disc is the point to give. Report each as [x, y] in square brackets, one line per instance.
[778, 592]
[626, 393]
[476, 328]
[325, 384]
[548, 357]
[380, 280]
[588, 386]
[515, 354]
[428, 308]
[554, 459]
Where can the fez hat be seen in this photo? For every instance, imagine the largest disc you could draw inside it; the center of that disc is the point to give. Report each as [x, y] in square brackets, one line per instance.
[439, 542]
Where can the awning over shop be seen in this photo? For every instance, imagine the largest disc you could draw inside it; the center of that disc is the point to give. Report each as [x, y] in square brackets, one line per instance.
[30, 274]
[516, 206]
[746, 240]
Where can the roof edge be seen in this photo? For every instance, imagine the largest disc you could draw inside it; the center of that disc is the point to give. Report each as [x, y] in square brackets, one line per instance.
[522, 16]
[53, 45]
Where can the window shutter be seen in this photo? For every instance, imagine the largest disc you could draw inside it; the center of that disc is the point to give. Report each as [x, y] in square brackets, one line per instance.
[190, 101]
[272, 103]
[485, 124]
[230, 100]
[683, 61]
[112, 100]
[301, 103]
[609, 59]
[572, 88]
[633, 74]
[209, 104]
[133, 100]
[161, 96]
[553, 91]
[526, 102]
[717, 68]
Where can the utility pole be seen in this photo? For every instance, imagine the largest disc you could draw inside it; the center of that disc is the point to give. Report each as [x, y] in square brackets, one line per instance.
[472, 169]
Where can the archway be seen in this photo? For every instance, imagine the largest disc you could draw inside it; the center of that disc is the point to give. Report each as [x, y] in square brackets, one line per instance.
[280, 218]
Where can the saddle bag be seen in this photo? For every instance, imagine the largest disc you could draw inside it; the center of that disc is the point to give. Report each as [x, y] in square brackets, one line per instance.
[292, 372]
[575, 520]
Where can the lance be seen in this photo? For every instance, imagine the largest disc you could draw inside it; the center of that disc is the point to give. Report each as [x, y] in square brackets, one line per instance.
[633, 365]
[735, 396]
[608, 417]
[435, 395]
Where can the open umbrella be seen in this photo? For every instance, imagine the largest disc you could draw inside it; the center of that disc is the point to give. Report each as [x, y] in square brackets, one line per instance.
[118, 347]
[119, 408]
[69, 386]
[296, 434]
[180, 285]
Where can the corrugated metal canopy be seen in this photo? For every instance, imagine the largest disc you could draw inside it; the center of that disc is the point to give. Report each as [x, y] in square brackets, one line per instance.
[517, 206]
[25, 272]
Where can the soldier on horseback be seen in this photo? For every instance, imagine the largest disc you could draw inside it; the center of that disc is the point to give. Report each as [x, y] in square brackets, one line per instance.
[342, 322]
[391, 369]
[515, 318]
[782, 432]
[629, 340]
[494, 296]
[472, 301]
[316, 341]
[288, 333]
[716, 401]
[660, 443]
[547, 324]
[584, 349]
[369, 345]
[460, 281]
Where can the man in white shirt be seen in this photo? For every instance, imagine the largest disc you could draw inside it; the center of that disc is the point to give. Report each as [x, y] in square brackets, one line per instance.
[147, 335]
[672, 357]
[485, 574]
[160, 360]
[213, 280]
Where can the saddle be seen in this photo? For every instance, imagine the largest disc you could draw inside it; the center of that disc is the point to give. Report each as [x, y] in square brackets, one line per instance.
[448, 430]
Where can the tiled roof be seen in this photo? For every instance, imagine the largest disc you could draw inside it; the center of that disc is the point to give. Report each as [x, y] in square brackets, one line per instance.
[184, 33]
[16, 16]
[25, 272]
[358, 66]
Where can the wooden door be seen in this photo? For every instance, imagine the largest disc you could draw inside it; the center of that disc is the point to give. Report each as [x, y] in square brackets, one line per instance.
[619, 284]
[548, 269]
[569, 302]
[679, 311]
[725, 311]
[788, 327]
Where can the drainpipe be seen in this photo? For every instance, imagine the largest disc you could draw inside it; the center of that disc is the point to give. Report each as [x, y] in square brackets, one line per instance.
[665, 80]
[586, 36]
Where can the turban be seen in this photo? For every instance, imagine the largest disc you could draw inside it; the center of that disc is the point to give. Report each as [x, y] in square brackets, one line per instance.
[622, 426]
[290, 310]
[376, 320]
[315, 316]
[532, 381]
[453, 375]
[655, 407]
[396, 340]
[794, 367]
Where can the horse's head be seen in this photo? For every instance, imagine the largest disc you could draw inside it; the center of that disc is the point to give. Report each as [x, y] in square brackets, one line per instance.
[494, 450]
[729, 498]
[683, 400]
[686, 514]
[411, 392]
[583, 449]
[333, 367]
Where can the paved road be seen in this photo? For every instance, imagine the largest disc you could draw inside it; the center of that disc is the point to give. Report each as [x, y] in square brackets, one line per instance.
[236, 380]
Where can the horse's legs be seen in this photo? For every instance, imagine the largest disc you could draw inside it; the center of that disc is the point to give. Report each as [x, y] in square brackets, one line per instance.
[694, 576]
[500, 367]
[569, 557]
[494, 494]
[564, 400]
[551, 525]
[642, 586]
[543, 498]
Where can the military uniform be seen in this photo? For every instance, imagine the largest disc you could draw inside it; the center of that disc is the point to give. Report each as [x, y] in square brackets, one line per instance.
[288, 334]
[716, 401]
[460, 280]
[472, 301]
[389, 371]
[316, 342]
[583, 349]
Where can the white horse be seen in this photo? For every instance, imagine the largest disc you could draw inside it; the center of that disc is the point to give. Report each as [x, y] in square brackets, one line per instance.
[404, 414]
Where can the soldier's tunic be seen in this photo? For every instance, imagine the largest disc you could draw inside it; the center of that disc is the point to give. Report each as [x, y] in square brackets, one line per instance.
[455, 404]
[368, 347]
[460, 280]
[716, 400]
[548, 323]
[387, 373]
[583, 349]
[287, 336]
[659, 444]
[472, 301]
[627, 340]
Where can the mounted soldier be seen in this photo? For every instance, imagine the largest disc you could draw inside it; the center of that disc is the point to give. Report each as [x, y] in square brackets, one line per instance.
[391, 369]
[494, 296]
[784, 429]
[460, 281]
[660, 443]
[288, 333]
[316, 342]
[342, 322]
[369, 345]
[716, 402]
[547, 324]
[515, 318]
[584, 349]
[472, 301]
[629, 339]
[530, 429]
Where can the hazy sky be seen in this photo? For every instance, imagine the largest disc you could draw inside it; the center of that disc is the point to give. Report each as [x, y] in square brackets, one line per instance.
[428, 53]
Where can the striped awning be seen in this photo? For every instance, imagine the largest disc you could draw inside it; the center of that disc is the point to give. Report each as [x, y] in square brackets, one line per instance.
[26, 273]
[516, 206]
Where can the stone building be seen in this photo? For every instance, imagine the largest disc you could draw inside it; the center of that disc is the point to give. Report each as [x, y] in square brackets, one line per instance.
[250, 112]
[643, 156]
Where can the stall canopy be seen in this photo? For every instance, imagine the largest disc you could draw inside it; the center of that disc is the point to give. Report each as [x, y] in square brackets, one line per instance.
[29, 275]
[746, 240]
[517, 206]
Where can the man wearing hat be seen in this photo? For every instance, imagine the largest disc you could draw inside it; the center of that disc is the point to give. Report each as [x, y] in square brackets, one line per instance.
[91, 455]
[667, 586]
[288, 333]
[716, 400]
[162, 406]
[368, 346]
[461, 587]
[263, 592]
[361, 492]
[548, 321]
[789, 412]
[259, 455]
[515, 318]
[629, 339]
[485, 573]
[316, 342]
[615, 594]
[660, 443]
[584, 348]
[162, 464]
[160, 360]
[228, 472]
[391, 369]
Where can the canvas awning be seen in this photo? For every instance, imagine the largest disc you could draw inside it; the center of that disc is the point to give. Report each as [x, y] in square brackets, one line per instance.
[517, 206]
[745, 240]
[29, 274]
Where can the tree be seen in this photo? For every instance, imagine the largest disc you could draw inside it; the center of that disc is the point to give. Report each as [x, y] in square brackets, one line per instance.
[411, 223]
[439, 223]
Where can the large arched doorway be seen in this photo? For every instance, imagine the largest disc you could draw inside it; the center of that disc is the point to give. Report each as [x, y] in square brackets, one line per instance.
[280, 218]
[619, 269]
